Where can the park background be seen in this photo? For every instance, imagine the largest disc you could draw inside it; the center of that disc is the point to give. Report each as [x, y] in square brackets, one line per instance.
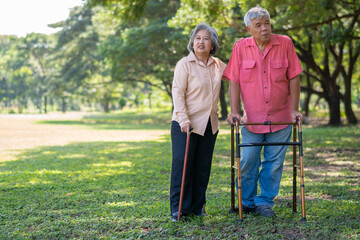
[65, 98]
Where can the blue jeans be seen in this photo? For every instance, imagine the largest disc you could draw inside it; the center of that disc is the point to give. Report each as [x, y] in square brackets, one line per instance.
[269, 176]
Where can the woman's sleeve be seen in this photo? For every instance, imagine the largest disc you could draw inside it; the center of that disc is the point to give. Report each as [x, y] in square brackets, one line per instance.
[179, 88]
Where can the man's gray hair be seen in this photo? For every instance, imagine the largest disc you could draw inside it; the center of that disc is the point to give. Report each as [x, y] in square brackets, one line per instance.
[255, 12]
[213, 35]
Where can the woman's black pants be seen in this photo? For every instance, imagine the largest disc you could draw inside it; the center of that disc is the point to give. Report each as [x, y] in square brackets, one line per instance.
[198, 168]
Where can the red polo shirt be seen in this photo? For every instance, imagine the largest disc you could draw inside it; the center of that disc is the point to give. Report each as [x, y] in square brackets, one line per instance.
[264, 80]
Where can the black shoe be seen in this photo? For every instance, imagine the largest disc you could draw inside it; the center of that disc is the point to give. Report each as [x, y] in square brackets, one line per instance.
[174, 217]
[202, 213]
[265, 211]
[245, 209]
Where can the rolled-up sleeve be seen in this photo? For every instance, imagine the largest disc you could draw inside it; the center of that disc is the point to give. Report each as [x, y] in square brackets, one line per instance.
[294, 67]
[232, 71]
[179, 87]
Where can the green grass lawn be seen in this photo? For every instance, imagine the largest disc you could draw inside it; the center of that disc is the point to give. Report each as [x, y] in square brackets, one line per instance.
[120, 190]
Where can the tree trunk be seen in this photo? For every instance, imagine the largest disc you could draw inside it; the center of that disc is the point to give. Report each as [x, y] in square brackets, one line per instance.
[106, 106]
[306, 104]
[334, 108]
[45, 104]
[308, 94]
[20, 107]
[52, 104]
[149, 97]
[350, 115]
[327, 80]
[63, 105]
[224, 111]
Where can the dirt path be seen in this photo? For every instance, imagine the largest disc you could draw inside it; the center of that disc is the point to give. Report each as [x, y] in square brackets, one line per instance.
[20, 132]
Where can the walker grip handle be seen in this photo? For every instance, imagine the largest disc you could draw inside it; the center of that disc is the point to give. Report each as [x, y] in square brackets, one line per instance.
[235, 119]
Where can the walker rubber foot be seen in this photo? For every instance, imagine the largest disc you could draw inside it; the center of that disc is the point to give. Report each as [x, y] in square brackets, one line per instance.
[303, 219]
[241, 220]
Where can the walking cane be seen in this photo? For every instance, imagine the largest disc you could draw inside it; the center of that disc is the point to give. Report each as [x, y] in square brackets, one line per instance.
[184, 171]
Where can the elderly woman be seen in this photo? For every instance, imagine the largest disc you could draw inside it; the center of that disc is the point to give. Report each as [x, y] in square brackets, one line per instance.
[195, 90]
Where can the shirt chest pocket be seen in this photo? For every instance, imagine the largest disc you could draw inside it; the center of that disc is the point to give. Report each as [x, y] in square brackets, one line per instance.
[247, 71]
[278, 70]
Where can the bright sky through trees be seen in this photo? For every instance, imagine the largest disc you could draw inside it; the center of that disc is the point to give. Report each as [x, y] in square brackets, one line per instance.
[19, 17]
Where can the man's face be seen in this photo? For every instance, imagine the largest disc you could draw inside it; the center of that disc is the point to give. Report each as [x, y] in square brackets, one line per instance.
[260, 29]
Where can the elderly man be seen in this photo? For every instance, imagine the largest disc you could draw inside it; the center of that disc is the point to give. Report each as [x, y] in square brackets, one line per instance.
[264, 71]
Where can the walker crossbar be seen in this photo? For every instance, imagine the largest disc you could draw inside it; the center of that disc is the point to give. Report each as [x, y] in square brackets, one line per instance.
[267, 144]
[297, 141]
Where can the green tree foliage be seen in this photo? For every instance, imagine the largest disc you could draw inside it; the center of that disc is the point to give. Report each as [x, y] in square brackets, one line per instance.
[325, 34]
[118, 52]
[16, 72]
[144, 49]
[76, 52]
[6, 92]
[126, 10]
[40, 47]
[218, 14]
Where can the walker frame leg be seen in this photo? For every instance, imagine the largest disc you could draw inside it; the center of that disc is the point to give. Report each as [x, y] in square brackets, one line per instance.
[294, 170]
[302, 186]
[238, 167]
[232, 207]
[296, 135]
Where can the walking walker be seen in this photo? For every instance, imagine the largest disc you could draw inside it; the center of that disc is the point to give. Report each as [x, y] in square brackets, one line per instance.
[297, 141]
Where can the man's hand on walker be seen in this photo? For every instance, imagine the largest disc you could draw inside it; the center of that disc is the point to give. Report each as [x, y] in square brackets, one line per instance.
[231, 117]
[295, 114]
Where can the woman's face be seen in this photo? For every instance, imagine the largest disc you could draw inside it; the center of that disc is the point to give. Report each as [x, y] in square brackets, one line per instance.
[202, 43]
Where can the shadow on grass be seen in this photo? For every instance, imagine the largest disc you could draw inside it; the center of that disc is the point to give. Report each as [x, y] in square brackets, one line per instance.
[70, 188]
[121, 190]
[332, 186]
[330, 171]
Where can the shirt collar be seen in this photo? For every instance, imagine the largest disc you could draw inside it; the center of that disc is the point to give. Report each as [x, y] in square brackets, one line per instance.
[273, 41]
[192, 58]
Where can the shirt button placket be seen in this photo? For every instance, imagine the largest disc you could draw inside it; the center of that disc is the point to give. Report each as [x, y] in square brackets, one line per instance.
[267, 105]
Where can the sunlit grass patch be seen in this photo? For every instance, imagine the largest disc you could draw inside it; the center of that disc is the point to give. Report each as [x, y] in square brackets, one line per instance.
[120, 189]
[130, 120]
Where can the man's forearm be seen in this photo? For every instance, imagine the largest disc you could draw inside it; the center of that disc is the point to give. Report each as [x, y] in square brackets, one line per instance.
[295, 93]
[234, 93]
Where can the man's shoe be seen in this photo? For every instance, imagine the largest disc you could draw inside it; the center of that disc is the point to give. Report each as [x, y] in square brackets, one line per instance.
[265, 211]
[245, 209]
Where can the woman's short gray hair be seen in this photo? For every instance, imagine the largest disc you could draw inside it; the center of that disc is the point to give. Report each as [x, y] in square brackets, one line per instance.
[213, 35]
[255, 12]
